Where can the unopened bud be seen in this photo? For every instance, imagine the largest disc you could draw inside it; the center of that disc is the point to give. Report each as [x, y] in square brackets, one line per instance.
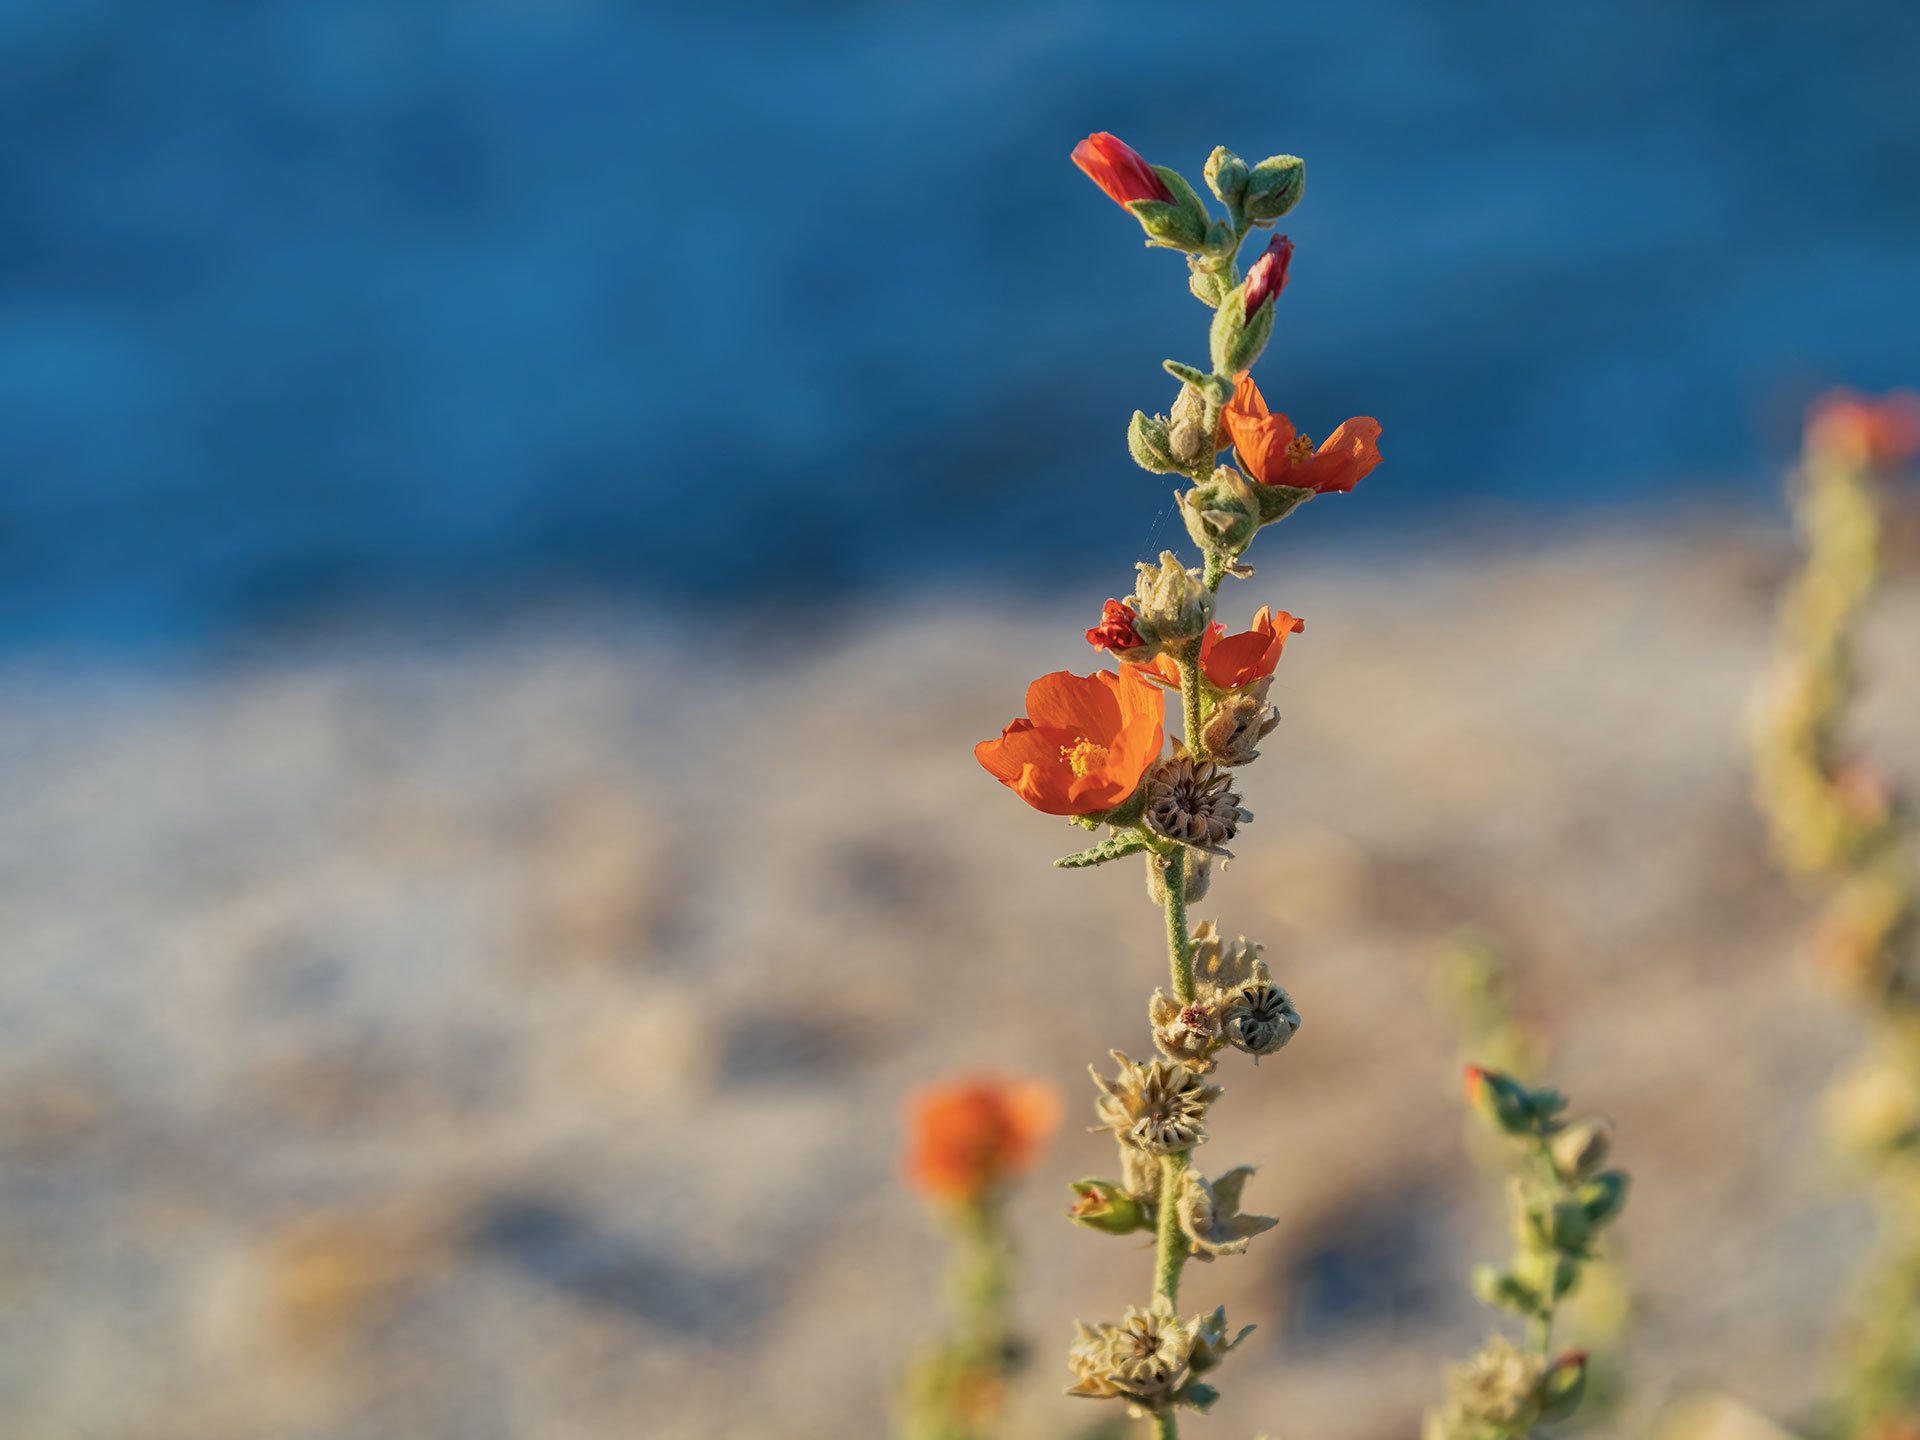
[1239, 332]
[1226, 175]
[1148, 443]
[1105, 1206]
[1502, 1102]
[1581, 1149]
[1562, 1386]
[1267, 276]
[1274, 186]
[1172, 603]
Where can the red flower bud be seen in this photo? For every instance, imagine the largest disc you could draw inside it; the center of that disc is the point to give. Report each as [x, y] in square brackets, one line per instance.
[1115, 631]
[1267, 276]
[1119, 170]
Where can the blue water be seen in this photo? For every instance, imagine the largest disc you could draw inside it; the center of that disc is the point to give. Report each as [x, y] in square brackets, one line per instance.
[442, 303]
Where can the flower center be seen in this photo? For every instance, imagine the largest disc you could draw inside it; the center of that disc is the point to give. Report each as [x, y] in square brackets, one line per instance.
[1083, 755]
[1301, 449]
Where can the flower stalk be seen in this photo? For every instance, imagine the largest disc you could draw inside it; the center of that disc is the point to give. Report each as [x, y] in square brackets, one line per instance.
[1094, 749]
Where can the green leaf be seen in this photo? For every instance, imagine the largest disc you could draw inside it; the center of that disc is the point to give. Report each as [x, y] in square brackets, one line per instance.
[1199, 1396]
[1114, 847]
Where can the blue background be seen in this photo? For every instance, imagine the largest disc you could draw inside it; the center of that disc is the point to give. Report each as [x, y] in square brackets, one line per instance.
[448, 306]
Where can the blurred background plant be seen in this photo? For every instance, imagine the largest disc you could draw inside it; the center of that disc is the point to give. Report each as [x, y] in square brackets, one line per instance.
[1835, 819]
[967, 1141]
[1474, 982]
[1560, 1198]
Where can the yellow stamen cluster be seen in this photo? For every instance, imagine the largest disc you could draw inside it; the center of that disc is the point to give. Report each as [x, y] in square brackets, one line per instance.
[1301, 448]
[1083, 755]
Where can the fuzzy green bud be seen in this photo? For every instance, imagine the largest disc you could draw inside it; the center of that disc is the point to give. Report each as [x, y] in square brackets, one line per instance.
[1179, 224]
[1226, 175]
[1103, 1205]
[1172, 603]
[1148, 443]
[1274, 187]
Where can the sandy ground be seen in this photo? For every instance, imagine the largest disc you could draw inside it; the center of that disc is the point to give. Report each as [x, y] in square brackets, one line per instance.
[503, 1034]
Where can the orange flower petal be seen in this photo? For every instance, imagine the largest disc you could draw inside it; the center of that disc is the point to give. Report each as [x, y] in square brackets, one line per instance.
[1085, 704]
[1259, 437]
[1238, 660]
[1344, 460]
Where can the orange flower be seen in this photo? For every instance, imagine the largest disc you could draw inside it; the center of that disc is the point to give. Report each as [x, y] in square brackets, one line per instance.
[1120, 170]
[1085, 743]
[1273, 453]
[1230, 662]
[1884, 433]
[967, 1136]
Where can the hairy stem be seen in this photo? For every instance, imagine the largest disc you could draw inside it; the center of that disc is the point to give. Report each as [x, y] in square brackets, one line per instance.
[1189, 662]
[1170, 1246]
[1216, 570]
[1165, 1426]
[1173, 871]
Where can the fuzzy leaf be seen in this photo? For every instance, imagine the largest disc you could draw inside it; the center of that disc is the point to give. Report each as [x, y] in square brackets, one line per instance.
[1114, 847]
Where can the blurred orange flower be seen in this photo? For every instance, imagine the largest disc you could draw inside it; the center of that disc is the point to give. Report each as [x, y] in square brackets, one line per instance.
[1231, 662]
[967, 1136]
[1273, 453]
[1883, 432]
[1084, 744]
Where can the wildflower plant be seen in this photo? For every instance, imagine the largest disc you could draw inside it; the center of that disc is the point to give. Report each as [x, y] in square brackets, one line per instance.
[1472, 980]
[968, 1140]
[1835, 822]
[1561, 1198]
[1094, 748]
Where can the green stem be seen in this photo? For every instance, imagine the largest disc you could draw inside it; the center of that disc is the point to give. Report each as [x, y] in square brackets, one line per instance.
[1170, 1246]
[1173, 872]
[1216, 570]
[1188, 661]
[1165, 1426]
